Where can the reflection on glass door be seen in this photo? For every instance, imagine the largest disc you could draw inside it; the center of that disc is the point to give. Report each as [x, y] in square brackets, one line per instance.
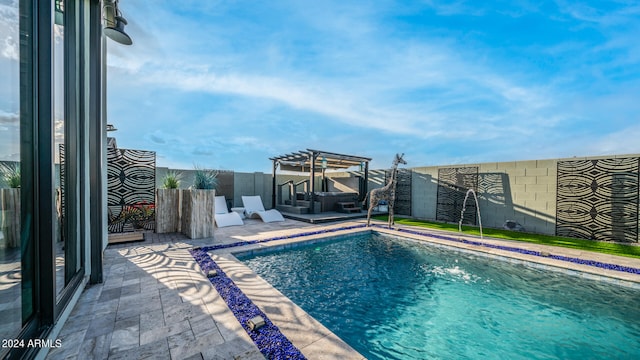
[66, 149]
[59, 128]
[10, 175]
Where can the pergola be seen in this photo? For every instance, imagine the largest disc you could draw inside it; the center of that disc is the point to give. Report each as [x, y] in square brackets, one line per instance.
[312, 161]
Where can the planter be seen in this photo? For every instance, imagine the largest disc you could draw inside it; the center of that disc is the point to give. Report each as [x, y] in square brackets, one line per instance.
[167, 210]
[198, 213]
[9, 218]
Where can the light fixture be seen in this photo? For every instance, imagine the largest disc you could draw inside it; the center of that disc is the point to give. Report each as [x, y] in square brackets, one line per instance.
[115, 22]
[361, 165]
[324, 162]
[256, 322]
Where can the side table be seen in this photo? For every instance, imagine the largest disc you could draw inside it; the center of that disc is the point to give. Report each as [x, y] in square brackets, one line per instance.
[239, 210]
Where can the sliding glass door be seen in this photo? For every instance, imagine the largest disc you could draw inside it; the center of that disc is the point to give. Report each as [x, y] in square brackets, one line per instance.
[49, 90]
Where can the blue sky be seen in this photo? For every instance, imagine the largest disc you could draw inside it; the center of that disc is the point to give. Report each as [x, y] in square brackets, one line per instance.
[228, 84]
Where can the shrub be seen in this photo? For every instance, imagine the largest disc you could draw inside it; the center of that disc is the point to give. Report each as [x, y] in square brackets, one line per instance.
[10, 174]
[171, 180]
[205, 179]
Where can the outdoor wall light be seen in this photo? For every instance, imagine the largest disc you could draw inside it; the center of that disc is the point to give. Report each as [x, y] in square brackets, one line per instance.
[324, 162]
[114, 23]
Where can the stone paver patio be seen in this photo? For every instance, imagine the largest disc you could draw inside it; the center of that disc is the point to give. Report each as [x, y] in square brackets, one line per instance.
[156, 303]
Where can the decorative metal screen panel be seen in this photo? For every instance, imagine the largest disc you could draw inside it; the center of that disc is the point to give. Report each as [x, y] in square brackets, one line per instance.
[453, 184]
[598, 199]
[403, 191]
[131, 182]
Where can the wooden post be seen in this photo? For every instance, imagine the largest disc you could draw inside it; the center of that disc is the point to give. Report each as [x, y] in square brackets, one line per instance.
[273, 186]
[366, 183]
[312, 194]
[167, 210]
[198, 209]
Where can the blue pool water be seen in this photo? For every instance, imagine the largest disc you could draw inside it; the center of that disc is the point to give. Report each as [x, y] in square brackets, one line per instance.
[396, 299]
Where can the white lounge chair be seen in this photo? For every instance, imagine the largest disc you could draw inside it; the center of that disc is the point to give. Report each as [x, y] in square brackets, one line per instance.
[254, 209]
[222, 216]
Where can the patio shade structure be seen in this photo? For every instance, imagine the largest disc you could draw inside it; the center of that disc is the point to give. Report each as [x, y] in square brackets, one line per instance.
[313, 161]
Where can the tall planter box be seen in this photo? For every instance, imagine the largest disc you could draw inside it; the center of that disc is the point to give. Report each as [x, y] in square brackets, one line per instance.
[167, 210]
[9, 218]
[198, 213]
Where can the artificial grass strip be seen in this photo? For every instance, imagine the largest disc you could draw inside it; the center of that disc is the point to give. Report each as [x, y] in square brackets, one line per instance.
[632, 251]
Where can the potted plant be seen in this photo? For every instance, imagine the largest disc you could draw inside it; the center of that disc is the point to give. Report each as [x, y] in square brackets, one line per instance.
[168, 203]
[198, 205]
[171, 180]
[10, 204]
[205, 179]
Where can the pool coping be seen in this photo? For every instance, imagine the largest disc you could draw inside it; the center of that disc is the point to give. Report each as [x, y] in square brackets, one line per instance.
[315, 341]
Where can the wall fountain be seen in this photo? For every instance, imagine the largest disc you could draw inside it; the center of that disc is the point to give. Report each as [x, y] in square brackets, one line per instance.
[464, 205]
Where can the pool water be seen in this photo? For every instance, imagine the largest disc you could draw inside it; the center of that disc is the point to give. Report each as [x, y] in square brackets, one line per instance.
[391, 298]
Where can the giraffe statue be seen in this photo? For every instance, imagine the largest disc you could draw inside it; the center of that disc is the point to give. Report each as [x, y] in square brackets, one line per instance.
[388, 192]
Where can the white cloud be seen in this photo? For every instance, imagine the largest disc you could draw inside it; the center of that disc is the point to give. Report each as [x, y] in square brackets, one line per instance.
[9, 29]
[9, 118]
[623, 141]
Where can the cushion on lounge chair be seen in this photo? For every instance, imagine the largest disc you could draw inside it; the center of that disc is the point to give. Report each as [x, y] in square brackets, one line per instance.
[255, 209]
[222, 216]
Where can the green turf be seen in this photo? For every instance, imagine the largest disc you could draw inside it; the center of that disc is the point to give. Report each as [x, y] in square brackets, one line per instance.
[588, 245]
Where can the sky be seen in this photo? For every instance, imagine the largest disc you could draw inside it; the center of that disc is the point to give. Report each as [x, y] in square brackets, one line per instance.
[229, 84]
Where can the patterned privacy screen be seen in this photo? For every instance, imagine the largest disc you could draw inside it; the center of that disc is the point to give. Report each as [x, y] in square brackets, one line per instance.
[131, 184]
[403, 191]
[598, 199]
[453, 184]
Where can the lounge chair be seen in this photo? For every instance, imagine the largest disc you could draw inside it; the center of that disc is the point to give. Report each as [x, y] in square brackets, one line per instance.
[222, 215]
[254, 209]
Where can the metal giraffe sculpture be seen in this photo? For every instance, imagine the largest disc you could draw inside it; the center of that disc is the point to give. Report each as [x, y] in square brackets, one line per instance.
[388, 192]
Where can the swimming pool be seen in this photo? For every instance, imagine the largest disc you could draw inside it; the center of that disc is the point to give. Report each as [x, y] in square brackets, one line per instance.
[390, 298]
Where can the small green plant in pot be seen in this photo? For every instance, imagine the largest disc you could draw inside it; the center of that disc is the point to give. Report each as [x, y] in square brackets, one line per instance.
[205, 179]
[10, 174]
[171, 180]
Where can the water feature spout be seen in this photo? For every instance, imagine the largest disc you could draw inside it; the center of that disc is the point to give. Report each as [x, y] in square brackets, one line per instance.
[464, 205]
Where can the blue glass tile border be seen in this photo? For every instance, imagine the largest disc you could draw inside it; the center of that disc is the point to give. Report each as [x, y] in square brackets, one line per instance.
[593, 263]
[268, 338]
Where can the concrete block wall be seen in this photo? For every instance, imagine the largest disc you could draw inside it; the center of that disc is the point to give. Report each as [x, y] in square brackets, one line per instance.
[259, 183]
[522, 191]
[424, 192]
[249, 184]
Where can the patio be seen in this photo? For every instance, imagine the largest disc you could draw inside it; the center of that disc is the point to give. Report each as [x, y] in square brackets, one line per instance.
[155, 302]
